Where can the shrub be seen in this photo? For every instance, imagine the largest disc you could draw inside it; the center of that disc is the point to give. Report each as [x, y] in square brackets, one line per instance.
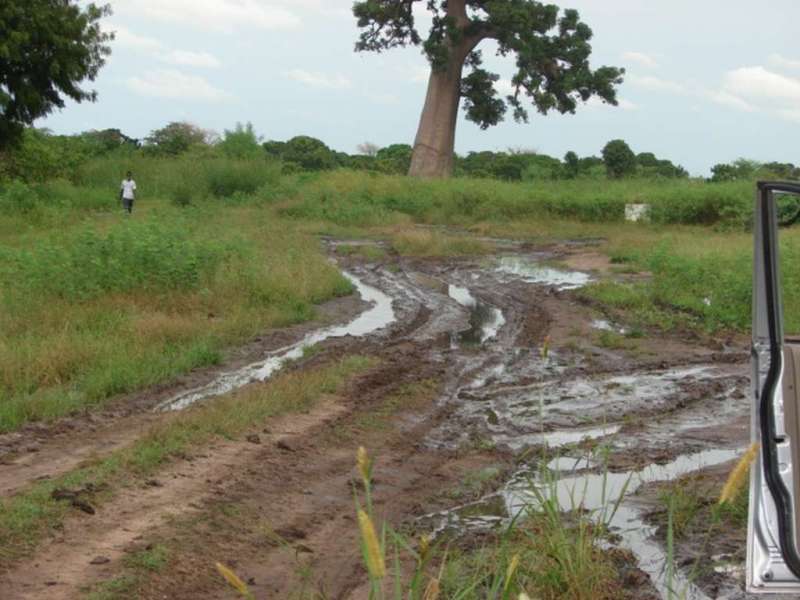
[18, 197]
[133, 255]
[226, 177]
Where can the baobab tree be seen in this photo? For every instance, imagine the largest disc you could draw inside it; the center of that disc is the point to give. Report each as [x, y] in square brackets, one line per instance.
[551, 49]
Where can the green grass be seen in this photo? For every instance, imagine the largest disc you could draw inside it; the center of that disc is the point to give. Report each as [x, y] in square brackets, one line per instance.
[110, 305]
[153, 558]
[362, 199]
[29, 516]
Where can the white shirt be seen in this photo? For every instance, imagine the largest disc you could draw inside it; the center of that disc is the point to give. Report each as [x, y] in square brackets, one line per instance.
[128, 188]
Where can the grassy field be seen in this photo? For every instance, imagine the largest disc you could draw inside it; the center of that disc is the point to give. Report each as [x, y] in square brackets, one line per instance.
[94, 304]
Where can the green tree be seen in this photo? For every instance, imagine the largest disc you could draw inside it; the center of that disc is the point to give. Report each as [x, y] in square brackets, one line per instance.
[552, 58]
[572, 165]
[241, 142]
[647, 159]
[308, 153]
[47, 48]
[395, 158]
[176, 138]
[619, 159]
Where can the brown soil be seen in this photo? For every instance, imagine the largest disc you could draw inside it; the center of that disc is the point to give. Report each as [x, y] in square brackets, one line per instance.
[279, 508]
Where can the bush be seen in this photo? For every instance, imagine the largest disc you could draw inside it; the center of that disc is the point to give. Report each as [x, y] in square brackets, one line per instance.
[226, 177]
[18, 197]
[145, 255]
[619, 159]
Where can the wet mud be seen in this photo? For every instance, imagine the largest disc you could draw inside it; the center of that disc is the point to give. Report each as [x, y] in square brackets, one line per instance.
[522, 385]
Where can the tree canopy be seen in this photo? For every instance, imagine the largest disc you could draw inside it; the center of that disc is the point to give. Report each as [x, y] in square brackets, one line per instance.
[47, 48]
[619, 159]
[551, 49]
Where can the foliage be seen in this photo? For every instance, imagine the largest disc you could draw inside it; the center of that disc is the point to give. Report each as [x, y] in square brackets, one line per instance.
[147, 256]
[744, 169]
[619, 159]
[354, 198]
[39, 156]
[551, 48]
[307, 153]
[395, 158]
[241, 142]
[47, 48]
[175, 138]
[90, 308]
[572, 165]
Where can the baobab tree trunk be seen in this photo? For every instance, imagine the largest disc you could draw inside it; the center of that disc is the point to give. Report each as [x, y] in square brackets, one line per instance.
[436, 135]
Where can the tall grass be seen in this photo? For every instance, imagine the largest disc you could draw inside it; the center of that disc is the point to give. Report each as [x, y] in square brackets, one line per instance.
[357, 198]
[109, 306]
[544, 553]
[184, 180]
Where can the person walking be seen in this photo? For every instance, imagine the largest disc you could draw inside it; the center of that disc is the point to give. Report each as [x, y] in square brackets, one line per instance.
[127, 192]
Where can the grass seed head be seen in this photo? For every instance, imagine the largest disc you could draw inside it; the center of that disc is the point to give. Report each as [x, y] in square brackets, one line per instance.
[363, 462]
[738, 475]
[424, 547]
[234, 580]
[375, 563]
[512, 569]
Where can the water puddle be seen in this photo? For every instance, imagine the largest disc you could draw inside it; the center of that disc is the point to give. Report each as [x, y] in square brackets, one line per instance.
[533, 272]
[379, 315]
[485, 320]
[564, 437]
[570, 402]
[604, 494]
[604, 325]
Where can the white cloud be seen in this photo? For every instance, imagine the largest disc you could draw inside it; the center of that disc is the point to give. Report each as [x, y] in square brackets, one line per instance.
[783, 62]
[640, 58]
[730, 100]
[191, 59]
[757, 83]
[319, 80]
[172, 84]
[656, 84]
[218, 15]
[757, 89]
[125, 38]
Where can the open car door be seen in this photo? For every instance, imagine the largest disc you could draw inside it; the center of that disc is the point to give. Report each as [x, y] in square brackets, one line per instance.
[773, 562]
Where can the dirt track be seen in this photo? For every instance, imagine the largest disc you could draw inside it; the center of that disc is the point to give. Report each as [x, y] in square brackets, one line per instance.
[469, 333]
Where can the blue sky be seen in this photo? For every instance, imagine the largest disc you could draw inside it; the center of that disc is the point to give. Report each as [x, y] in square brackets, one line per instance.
[707, 81]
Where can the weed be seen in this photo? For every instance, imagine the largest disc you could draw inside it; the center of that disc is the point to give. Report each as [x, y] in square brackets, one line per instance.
[153, 558]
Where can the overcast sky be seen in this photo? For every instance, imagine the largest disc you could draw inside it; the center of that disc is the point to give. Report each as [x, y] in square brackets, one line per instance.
[707, 81]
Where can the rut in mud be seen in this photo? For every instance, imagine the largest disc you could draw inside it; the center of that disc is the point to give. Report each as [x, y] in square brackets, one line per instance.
[662, 407]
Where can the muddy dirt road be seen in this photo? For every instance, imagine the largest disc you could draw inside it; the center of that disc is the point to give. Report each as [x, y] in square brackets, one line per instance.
[461, 410]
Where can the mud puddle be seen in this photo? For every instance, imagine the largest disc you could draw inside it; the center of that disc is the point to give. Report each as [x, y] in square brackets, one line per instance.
[478, 327]
[379, 315]
[532, 271]
[485, 320]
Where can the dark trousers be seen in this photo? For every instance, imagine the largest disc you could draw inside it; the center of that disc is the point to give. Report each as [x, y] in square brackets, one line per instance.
[127, 204]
